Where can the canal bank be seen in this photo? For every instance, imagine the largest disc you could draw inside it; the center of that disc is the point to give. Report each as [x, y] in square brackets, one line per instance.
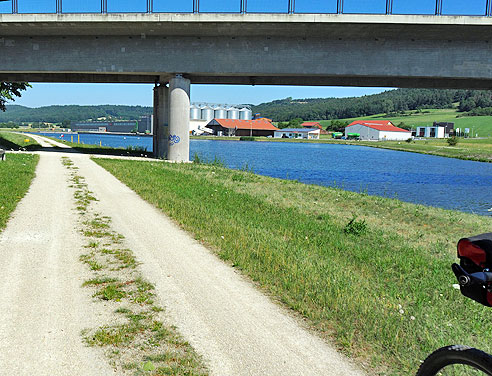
[369, 272]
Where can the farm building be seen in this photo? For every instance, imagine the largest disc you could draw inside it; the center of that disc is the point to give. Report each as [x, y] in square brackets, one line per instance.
[234, 127]
[311, 124]
[305, 133]
[377, 130]
[438, 130]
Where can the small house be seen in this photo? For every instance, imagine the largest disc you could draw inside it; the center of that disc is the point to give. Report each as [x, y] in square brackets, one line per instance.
[300, 133]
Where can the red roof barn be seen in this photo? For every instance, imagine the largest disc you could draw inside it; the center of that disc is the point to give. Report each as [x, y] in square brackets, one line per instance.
[233, 127]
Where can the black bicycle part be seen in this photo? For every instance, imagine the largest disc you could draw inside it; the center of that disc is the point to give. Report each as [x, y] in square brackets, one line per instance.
[461, 360]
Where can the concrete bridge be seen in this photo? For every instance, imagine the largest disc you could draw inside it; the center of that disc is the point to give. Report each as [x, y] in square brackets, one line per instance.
[175, 50]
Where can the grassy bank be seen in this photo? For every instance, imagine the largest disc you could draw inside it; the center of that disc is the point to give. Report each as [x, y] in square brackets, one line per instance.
[379, 285]
[469, 149]
[16, 173]
[105, 150]
[15, 141]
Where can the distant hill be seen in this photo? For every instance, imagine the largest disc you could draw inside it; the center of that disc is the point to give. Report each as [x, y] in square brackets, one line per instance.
[389, 102]
[60, 114]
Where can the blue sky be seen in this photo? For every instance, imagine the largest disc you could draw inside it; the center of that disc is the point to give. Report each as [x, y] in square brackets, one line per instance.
[47, 94]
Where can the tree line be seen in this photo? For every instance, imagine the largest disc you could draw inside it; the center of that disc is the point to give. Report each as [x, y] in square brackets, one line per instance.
[66, 114]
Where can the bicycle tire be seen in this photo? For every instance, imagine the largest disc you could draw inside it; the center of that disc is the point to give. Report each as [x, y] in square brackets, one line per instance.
[470, 360]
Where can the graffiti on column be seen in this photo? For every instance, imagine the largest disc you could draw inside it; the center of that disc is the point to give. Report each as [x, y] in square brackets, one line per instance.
[173, 139]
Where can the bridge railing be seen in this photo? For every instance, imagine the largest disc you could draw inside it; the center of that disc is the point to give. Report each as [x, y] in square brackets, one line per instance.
[436, 7]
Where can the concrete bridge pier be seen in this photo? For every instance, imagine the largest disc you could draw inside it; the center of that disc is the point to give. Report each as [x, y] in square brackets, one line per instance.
[161, 121]
[171, 120]
[179, 120]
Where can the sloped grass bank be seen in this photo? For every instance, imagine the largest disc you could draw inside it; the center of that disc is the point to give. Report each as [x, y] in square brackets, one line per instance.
[15, 141]
[468, 149]
[381, 287]
[16, 174]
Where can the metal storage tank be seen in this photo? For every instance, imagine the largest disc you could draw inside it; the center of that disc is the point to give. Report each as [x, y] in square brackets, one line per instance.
[207, 113]
[195, 112]
[245, 113]
[232, 113]
[220, 113]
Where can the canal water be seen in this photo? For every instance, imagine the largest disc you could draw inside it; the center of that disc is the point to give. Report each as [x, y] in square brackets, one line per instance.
[436, 181]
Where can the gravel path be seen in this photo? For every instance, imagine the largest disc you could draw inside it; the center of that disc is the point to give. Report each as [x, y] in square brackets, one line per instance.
[236, 329]
[43, 305]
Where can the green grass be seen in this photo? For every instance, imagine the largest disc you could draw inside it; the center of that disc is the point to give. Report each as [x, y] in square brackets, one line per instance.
[380, 287]
[16, 174]
[14, 141]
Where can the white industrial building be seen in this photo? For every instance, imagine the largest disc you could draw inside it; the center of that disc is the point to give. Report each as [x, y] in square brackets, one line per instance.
[377, 130]
[302, 133]
[432, 132]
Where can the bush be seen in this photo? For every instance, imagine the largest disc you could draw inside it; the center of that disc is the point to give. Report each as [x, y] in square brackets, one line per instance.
[356, 227]
[452, 141]
[409, 140]
[247, 138]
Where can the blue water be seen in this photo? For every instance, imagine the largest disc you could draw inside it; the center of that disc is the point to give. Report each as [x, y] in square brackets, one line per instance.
[442, 182]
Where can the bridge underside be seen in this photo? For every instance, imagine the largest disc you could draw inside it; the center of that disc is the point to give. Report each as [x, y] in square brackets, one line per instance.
[358, 81]
[318, 50]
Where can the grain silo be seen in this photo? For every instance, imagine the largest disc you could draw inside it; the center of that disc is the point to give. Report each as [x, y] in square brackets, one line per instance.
[245, 113]
[207, 113]
[233, 113]
[220, 113]
[195, 112]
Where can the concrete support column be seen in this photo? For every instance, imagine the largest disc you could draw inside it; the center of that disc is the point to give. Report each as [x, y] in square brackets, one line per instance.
[179, 120]
[161, 121]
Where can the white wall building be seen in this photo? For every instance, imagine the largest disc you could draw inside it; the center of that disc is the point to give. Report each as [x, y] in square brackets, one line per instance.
[377, 130]
[433, 132]
[301, 133]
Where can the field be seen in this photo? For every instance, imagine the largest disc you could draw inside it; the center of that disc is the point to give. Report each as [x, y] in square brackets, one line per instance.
[480, 125]
[372, 274]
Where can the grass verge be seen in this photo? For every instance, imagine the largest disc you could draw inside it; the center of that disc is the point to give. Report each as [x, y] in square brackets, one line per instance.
[16, 174]
[15, 141]
[136, 340]
[371, 273]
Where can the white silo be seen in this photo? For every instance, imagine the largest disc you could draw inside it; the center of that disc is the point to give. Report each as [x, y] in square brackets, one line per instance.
[233, 113]
[245, 113]
[207, 113]
[195, 112]
[220, 113]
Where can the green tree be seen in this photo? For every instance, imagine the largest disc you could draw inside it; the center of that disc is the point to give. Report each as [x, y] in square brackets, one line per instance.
[10, 90]
[295, 123]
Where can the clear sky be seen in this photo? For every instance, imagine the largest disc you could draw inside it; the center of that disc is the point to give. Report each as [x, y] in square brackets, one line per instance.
[132, 94]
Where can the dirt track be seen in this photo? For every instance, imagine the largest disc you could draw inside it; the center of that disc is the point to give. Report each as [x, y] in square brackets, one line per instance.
[237, 329]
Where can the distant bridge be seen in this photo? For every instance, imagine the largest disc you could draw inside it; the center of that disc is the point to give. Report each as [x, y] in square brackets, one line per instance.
[253, 49]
